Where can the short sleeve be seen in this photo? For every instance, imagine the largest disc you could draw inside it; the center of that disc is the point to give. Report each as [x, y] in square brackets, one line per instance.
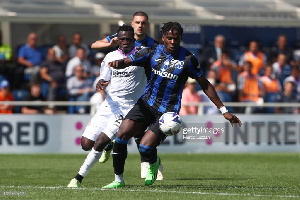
[108, 38]
[194, 68]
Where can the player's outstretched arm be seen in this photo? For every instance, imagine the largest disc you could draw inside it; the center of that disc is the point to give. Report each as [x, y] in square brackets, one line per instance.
[103, 44]
[210, 91]
[120, 64]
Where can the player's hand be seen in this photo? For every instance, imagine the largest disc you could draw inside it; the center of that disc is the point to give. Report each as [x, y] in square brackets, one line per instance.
[101, 85]
[114, 42]
[232, 118]
[114, 64]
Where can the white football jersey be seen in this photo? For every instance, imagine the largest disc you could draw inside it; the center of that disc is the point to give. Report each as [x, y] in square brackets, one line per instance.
[126, 85]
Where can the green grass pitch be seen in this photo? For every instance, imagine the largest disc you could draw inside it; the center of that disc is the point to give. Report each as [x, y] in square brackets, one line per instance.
[186, 176]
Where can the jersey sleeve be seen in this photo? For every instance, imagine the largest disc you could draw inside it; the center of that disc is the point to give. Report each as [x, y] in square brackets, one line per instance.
[194, 68]
[111, 37]
[140, 57]
[105, 70]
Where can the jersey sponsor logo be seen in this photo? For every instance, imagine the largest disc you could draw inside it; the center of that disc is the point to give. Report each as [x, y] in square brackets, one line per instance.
[120, 74]
[165, 74]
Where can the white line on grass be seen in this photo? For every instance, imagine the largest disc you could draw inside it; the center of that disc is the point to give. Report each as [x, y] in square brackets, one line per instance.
[155, 191]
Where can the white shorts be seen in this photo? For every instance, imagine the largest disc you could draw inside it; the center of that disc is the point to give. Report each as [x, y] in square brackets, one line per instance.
[107, 119]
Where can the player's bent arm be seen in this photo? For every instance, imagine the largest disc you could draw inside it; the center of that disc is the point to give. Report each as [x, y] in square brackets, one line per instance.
[210, 91]
[102, 44]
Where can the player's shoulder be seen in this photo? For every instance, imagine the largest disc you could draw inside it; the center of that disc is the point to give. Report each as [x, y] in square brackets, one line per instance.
[188, 54]
[112, 55]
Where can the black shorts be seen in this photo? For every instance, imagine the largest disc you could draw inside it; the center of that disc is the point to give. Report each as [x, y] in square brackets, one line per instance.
[143, 114]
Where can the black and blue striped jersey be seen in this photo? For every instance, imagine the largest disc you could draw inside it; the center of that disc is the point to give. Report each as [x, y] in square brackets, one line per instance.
[167, 75]
[147, 42]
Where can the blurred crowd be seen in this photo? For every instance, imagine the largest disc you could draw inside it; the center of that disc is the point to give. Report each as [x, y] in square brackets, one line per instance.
[68, 72]
[251, 75]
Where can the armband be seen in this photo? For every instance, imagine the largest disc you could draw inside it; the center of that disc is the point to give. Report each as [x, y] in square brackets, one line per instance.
[223, 110]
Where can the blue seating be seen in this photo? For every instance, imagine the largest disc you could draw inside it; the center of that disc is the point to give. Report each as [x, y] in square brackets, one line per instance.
[72, 108]
[19, 95]
[271, 97]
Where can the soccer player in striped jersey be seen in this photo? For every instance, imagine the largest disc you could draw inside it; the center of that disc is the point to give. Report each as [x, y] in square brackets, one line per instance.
[140, 25]
[170, 65]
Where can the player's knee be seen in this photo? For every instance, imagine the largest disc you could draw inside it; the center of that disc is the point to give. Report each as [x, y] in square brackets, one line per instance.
[86, 147]
[145, 150]
[127, 129]
[101, 144]
[86, 144]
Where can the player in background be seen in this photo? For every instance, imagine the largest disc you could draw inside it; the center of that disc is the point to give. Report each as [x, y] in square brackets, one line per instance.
[140, 25]
[170, 66]
[126, 86]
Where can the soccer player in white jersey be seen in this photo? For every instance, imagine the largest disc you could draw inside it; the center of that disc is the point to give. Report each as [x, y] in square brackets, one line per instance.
[126, 86]
[140, 25]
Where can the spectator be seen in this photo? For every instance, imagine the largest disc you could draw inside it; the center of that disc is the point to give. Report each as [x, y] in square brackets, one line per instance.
[6, 70]
[5, 95]
[281, 69]
[52, 72]
[296, 52]
[76, 44]
[281, 48]
[36, 95]
[211, 77]
[189, 95]
[226, 87]
[250, 87]
[294, 77]
[271, 86]
[80, 88]
[288, 96]
[270, 83]
[29, 59]
[98, 60]
[79, 59]
[212, 54]
[255, 56]
[61, 49]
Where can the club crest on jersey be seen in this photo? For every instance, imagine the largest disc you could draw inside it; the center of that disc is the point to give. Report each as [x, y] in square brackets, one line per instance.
[174, 63]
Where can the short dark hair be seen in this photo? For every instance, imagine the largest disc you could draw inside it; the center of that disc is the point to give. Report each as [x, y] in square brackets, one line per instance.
[140, 13]
[125, 27]
[171, 26]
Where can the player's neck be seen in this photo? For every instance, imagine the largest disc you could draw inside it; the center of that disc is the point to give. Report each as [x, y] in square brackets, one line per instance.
[140, 37]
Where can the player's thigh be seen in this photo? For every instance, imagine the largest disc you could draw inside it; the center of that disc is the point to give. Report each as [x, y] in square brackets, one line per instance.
[153, 137]
[112, 126]
[101, 142]
[129, 128]
[135, 122]
[98, 123]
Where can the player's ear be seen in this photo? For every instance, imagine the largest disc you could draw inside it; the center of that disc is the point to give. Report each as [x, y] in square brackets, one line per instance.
[163, 38]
